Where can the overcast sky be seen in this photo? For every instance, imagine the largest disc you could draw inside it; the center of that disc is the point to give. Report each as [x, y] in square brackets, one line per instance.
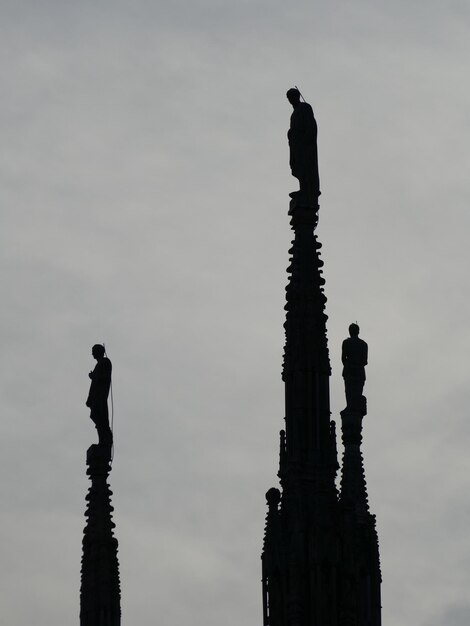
[144, 185]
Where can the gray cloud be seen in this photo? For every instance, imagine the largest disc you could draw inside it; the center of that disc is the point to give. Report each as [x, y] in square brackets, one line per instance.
[143, 185]
[453, 615]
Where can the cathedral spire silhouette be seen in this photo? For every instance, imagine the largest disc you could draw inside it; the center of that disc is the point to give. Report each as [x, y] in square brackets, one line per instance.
[100, 592]
[320, 563]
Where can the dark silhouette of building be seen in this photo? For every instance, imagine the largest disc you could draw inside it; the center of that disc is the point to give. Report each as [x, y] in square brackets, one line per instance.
[320, 559]
[100, 594]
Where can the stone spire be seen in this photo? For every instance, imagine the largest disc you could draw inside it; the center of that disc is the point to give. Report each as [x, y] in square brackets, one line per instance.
[320, 551]
[100, 594]
[301, 546]
[353, 494]
[100, 598]
[306, 368]
[361, 577]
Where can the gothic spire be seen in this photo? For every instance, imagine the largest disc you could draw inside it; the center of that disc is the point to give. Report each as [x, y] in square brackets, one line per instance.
[354, 356]
[306, 368]
[300, 543]
[100, 595]
[360, 546]
[320, 553]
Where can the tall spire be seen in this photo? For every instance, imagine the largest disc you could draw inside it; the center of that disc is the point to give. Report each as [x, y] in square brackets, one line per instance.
[361, 575]
[308, 543]
[354, 355]
[100, 594]
[360, 551]
[306, 368]
[301, 547]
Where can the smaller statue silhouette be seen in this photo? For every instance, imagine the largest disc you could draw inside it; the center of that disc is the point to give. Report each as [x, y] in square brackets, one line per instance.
[97, 400]
[354, 357]
[302, 136]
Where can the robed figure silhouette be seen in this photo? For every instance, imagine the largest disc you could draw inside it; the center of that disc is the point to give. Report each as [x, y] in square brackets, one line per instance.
[354, 356]
[303, 154]
[97, 399]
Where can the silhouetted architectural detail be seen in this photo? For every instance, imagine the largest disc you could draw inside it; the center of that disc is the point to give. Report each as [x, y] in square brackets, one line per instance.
[320, 562]
[302, 136]
[100, 599]
[361, 562]
[354, 355]
[271, 570]
[97, 399]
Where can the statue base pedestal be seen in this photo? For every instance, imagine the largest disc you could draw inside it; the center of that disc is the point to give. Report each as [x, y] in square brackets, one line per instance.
[302, 200]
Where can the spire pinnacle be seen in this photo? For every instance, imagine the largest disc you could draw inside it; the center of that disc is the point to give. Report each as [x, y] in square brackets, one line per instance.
[100, 587]
[100, 593]
[320, 551]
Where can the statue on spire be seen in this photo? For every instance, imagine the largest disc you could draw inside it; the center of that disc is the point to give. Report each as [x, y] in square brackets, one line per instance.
[302, 136]
[97, 400]
[354, 357]
[100, 588]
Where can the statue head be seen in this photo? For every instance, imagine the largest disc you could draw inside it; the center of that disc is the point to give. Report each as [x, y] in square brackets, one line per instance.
[353, 330]
[293, 95]
[273, 497]
[97, 351]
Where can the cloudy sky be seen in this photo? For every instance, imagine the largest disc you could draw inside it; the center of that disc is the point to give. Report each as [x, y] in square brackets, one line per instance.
[144, 188]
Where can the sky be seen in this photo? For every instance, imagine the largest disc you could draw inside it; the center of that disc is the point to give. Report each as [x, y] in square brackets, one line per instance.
[144, 186]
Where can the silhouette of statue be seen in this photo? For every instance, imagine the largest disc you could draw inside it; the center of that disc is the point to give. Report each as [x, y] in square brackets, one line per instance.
[97, 399]
[302, 136]
[354, 358]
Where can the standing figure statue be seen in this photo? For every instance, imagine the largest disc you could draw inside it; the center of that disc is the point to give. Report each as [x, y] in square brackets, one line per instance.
[302, 136]
[354, 358]
[97, 399]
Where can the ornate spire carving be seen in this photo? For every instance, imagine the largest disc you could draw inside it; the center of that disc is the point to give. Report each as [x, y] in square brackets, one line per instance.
[300, 543]
[306, 368]
[320, 551]
[361, 562]
[100, 595]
